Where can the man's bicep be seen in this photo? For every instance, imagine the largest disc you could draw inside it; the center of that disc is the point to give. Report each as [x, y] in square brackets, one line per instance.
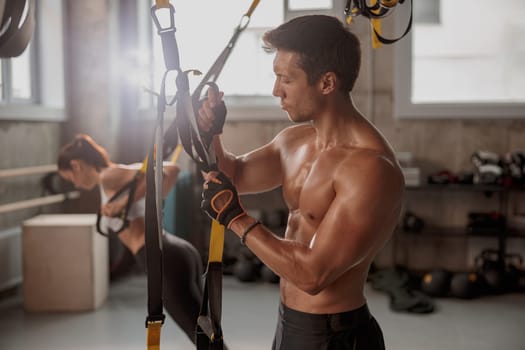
[259, 170]
[354, 225]
[343, 239]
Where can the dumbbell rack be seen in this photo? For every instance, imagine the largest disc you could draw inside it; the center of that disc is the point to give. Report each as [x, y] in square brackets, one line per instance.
[487, 190]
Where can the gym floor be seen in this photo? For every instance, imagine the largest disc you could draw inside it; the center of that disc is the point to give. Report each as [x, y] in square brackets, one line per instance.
[249, 316]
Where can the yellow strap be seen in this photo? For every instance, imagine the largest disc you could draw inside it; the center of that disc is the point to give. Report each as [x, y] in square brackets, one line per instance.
[216, 242]
[162, 3]
[376, 25]
[252, 7]
[144, 165]
[350, 17]
[376, 28]
[176, 153]
[389, 3]
[153, 341]
[174, 157]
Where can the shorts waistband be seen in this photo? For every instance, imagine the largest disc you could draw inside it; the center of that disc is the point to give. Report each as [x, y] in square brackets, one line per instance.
[334, 322]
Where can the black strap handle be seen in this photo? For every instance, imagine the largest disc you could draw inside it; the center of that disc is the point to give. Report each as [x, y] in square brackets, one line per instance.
[123, 215]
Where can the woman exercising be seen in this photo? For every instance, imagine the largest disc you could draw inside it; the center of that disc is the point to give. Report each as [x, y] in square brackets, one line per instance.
[86, 164]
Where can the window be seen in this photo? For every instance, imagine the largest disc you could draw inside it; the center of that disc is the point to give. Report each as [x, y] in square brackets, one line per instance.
[17, 78]
[32, 84]
[462, 62]
[16, 72]
[202, 35]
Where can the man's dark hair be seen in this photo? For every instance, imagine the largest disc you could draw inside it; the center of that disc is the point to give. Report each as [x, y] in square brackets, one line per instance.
[323, 44]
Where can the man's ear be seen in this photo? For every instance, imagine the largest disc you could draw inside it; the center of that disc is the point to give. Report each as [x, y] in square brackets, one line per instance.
[328, 82]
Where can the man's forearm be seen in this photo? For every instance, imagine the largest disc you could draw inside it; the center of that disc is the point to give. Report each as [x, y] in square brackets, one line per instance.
[226, 161]
[287, 258]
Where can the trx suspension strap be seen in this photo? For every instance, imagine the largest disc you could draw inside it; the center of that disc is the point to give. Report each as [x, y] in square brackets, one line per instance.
[196, 143]
[153, 234]
[375, 12]
[200, 148]
[153, 238]
[153, 216]
[128, 188]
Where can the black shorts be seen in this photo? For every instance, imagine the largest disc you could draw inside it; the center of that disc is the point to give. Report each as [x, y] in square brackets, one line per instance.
[356, 329]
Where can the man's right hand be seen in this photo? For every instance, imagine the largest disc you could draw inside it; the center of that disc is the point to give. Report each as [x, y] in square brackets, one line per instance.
[212, 113]
[220, 199]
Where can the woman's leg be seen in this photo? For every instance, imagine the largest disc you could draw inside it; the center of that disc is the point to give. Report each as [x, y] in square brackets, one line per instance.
[182, 281]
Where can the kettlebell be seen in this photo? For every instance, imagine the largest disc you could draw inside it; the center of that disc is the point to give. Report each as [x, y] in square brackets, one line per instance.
[491, 271]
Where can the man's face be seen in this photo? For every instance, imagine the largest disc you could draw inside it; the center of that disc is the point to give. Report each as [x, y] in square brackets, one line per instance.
[299, 99]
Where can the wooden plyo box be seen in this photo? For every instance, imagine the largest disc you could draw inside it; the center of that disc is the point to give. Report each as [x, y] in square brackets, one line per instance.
[65, 263]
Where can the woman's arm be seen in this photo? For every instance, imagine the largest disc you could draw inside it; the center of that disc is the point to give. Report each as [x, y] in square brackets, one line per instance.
[170, 173]
[169, 178]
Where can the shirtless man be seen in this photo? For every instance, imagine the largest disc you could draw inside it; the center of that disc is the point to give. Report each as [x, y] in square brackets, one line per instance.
[340, 180]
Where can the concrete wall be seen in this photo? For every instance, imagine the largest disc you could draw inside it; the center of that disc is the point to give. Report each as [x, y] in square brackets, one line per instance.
[24, 144]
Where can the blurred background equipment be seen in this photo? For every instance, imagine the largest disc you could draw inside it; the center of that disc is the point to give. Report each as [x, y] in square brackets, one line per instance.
[17, 26]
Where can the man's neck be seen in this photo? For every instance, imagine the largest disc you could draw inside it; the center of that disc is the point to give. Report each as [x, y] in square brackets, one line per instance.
[334, 123]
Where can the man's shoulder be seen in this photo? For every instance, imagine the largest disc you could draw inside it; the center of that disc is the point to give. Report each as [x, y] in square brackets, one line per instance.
[367, 164]
[295, 133]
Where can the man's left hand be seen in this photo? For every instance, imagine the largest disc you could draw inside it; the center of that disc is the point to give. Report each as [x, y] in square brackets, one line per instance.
[220, 199]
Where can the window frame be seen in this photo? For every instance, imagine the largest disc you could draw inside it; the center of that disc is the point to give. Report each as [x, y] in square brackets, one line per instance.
[404, 108]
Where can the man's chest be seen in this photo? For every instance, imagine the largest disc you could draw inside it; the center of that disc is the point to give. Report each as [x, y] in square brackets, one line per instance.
[308, 185]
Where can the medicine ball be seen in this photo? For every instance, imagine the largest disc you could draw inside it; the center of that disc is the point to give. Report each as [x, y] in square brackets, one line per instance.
[245, 270]
[436, 283]
[465, 285]
[268, 275]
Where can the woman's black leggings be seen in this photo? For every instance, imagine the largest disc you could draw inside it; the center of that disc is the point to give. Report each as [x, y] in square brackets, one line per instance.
[182, 280]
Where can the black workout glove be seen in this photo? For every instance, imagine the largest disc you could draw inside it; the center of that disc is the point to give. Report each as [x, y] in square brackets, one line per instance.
[219, 112]
[221, 187]
[220, 116]
[216, 127]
